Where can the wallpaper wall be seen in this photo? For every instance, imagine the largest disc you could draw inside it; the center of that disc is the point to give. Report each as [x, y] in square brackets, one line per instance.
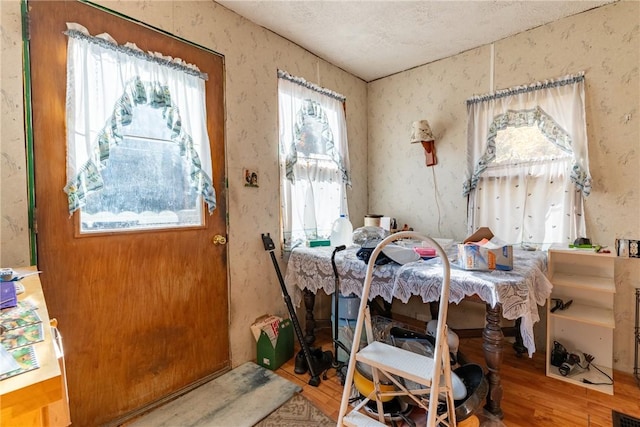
[14, 228]
[252, 58]
[389, 174]
[604, 43]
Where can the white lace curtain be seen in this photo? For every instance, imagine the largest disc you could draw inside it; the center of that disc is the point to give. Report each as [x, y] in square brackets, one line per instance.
[105, 84]
[314, 159]
[539, 201]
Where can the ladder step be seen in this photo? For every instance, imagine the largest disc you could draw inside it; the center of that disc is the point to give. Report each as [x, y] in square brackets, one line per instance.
[403, 363]
[358, 419]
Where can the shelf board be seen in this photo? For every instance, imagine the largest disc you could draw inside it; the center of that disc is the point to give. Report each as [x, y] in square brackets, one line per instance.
[587, 252]
[587, 314]
[592, 375]
[577, 281]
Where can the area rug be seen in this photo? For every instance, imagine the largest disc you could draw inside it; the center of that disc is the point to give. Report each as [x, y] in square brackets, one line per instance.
[297, 412]
[240, 398]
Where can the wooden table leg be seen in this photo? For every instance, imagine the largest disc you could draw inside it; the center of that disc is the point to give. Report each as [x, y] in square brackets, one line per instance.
[310, 322]
[492, 345]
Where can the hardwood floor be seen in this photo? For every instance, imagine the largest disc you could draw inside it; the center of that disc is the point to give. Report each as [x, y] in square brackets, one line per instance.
[529, 399]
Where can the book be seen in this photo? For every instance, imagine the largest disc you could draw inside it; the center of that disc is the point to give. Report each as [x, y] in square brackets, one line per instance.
[8, 295]
[7, 362]
[26, 359]
[18, 318]
[23, 305]
[25, 335]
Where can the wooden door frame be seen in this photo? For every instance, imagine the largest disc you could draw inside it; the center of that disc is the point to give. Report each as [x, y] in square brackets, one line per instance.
[220, 182]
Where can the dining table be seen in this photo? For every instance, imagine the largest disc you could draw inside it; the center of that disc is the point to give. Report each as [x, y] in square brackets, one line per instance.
[510, 294]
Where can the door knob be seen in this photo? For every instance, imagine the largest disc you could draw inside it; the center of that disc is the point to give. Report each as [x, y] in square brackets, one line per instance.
[219, 240]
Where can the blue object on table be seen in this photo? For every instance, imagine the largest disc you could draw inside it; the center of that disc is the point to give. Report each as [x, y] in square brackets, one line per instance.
[8, 295]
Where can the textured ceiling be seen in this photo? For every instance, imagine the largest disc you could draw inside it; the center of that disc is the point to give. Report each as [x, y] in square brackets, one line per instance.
[374, 39]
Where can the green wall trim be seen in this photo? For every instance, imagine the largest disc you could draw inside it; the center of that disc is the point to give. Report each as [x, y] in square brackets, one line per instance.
[28, 124]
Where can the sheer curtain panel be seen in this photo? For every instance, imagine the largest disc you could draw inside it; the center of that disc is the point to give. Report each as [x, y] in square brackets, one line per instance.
[538, 199]
[314, 160]
[107, 85]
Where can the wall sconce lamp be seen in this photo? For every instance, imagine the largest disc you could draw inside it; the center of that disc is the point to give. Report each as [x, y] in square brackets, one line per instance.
[421, 132]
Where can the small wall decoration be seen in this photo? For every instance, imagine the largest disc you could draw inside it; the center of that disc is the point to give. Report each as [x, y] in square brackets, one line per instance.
[250, 177]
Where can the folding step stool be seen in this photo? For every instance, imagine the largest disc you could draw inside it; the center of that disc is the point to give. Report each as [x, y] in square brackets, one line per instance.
[396, 364]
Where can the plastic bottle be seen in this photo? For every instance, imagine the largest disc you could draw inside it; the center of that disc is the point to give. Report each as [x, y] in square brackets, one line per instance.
[342, 232]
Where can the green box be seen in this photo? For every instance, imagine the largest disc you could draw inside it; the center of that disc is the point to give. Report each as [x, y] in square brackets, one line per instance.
[270, 357]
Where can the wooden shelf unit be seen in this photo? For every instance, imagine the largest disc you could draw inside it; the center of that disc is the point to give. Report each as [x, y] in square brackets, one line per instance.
[587, 279]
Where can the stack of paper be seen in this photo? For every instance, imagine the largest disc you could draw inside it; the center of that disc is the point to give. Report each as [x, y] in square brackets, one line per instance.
[22, 328]
[268, 324]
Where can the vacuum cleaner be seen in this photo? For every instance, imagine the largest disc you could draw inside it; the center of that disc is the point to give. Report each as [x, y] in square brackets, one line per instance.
[316, 360]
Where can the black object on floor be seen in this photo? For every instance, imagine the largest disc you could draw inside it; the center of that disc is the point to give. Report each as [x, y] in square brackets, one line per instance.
[300, 366]
[316, 360]
[622, 420]
[322, 360]
[340, 367]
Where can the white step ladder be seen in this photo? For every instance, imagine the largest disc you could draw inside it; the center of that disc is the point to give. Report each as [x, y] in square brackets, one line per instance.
[395, 364]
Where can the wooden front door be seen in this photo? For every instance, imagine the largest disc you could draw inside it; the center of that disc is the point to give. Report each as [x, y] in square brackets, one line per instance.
[143, 315]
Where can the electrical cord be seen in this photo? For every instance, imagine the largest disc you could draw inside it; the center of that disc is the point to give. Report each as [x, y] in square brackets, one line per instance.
[586, 381]
[435, 191]
[589, 358]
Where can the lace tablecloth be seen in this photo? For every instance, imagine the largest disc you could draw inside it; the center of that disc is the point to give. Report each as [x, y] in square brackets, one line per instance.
[519, 291]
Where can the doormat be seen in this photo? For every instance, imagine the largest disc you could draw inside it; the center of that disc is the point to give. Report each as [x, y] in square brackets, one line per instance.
[622, 420]
[297, 412]
[240, 398]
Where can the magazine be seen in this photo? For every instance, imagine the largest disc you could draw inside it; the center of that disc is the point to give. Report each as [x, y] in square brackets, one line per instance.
[19, 318]
[26, 358]
[7, 362]
[19, 337]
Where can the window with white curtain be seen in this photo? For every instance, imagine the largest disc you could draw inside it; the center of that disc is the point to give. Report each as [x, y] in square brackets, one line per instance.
[314, 160]
[138, 154]
[527, 162]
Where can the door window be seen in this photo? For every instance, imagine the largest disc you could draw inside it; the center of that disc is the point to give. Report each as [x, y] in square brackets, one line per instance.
[147, 183]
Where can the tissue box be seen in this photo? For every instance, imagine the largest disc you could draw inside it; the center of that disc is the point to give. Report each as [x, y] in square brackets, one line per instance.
[274, 337]
[483, 251]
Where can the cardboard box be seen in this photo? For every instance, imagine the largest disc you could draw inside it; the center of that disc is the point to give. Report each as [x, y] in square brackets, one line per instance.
[483, 251]
[274, 337]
